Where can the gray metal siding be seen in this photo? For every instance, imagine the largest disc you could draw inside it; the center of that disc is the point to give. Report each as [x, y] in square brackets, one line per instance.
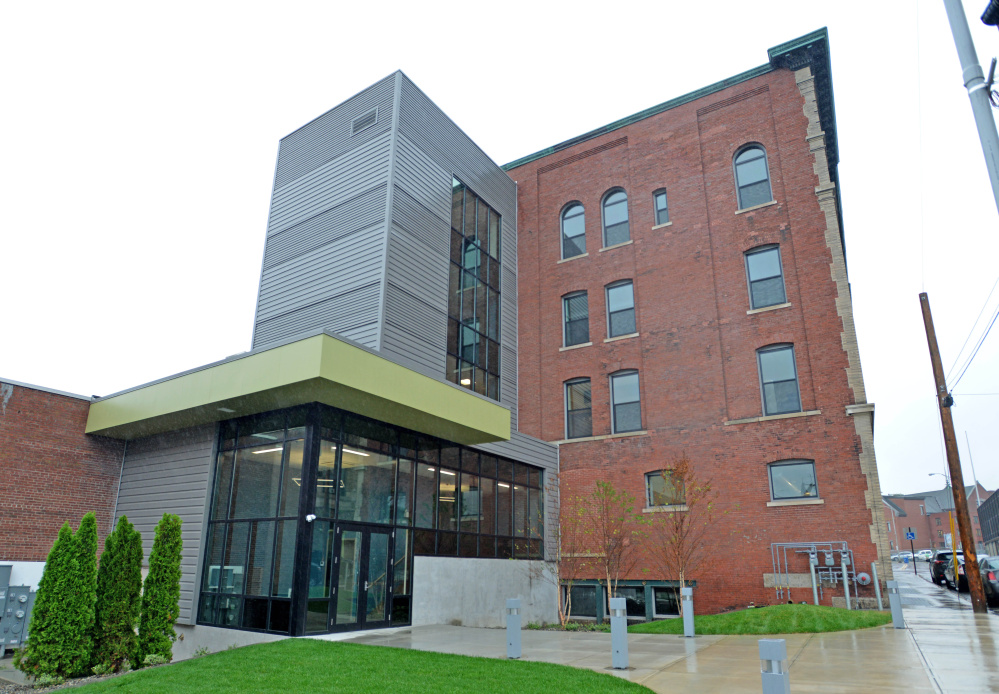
[430, 149]
[353, 315]
[170, 473]
[328, 136]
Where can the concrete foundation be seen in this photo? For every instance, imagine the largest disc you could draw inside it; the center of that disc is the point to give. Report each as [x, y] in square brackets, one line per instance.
[473, 592]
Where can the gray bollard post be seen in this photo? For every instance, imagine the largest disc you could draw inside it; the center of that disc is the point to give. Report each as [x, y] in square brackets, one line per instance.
[619, 633]
[773, 666]
[687, 599]
[895, 603]
[877, 583]
[513, 628]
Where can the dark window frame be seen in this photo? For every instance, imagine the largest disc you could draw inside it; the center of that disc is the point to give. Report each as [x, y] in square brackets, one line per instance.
[759, 250]
[764, 383]
[571, 207]
[568, 325]
[626, 224]
[797, 462]
[679, 497]
[741, 189]
[569, 431]
[610, 314]
[615, 404]
[660, 215]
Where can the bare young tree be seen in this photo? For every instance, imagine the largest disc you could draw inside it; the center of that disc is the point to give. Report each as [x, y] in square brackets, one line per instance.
[675, 534]
[610, 530]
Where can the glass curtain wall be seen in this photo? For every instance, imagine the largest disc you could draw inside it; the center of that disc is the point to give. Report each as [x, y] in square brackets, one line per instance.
[379, 494]
[473, 359]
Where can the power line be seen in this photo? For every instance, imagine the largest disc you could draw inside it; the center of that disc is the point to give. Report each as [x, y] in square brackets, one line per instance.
[972, 331]
[978, 346]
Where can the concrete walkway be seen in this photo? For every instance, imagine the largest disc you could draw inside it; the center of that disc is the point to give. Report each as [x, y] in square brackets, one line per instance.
[945, 649]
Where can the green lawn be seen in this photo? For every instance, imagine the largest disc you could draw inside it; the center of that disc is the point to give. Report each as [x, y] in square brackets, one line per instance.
[776, 619]
[306, 665]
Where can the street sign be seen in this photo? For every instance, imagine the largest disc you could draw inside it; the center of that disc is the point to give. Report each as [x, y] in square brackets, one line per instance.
[910, 536]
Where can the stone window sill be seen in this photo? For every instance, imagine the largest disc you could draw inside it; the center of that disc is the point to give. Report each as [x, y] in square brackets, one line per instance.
[621, 337]
[616, 245]
[789, 415]
[605, 436]
[767, 308]
[796, 502]
[665, 509]
[756, 207]
[565, 349]
[575, 257]
[662, 226]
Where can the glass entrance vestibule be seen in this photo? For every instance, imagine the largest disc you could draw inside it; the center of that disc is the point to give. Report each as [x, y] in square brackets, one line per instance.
[316, 515]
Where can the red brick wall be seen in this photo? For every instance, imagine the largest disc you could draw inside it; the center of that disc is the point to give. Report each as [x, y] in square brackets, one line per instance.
[50, 471]
[696, 352]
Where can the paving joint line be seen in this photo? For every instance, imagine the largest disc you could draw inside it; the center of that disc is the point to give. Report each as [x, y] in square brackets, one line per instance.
[926, 664]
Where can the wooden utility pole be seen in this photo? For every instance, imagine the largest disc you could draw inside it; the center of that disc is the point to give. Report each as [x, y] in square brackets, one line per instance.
[944, 401]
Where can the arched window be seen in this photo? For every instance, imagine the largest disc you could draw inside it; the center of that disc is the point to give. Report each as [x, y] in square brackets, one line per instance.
[626, 408]
[573, 231]
[778, 379]
[766, 280]
[615, 210]
[620, 309]
[752, 177]
[575, 319]
[578, 412]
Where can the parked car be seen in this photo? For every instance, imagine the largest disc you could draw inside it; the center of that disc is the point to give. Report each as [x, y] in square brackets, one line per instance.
[989, 568]
[941, 559]
[958, 581]
[905, 556]
[925, 554]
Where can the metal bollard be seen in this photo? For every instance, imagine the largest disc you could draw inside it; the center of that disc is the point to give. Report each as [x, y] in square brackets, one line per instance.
[844, 562]
[773, 666]
[619, 633]
[687, 600]
[877, 583]
[513, 628]
[895, 603]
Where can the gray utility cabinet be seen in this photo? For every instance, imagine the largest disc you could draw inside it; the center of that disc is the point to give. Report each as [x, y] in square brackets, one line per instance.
[16, 602]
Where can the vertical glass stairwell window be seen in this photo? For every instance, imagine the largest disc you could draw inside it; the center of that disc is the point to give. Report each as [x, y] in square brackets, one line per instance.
[473, 348]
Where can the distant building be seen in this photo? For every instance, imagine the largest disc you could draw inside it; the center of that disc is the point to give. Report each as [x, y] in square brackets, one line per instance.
[930, 512]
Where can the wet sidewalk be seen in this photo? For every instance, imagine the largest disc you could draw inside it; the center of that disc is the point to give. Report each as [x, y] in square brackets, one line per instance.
[945, 649]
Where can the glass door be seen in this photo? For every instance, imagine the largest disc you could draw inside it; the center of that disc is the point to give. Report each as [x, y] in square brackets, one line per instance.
[363, 592]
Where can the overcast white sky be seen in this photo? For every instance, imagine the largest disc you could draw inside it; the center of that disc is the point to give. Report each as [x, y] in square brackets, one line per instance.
[139, 141]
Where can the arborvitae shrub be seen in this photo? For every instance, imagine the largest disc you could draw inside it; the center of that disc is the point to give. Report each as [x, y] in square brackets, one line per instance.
[53, 643]
[119, 585]
[85, 587]
[161, 592]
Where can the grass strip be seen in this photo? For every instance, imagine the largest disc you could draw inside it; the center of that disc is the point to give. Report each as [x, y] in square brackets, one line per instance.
[775, 619]
[308, 665]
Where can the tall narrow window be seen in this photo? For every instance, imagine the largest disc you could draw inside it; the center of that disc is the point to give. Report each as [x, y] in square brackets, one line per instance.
[576, 319]
[578, 410]
[620, 309]
[474, 294]
[778, 380]
[662, 207]
[573, 231]
[616, 218]
[752, 177]
[626, 408]
[766, 281]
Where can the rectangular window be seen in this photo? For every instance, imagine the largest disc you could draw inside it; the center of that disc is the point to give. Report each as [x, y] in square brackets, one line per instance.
[625, 403]
[662, 207]
[766, 281]
[778, 380]
[578, 409]
[575, 311]
[793, 480]
[620, 309]
[662, 490]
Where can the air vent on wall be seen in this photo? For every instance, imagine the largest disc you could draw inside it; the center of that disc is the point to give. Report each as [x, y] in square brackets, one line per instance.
[364, 121]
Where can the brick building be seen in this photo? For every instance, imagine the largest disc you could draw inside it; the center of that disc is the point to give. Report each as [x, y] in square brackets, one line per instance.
[683, 289]
[929, 513]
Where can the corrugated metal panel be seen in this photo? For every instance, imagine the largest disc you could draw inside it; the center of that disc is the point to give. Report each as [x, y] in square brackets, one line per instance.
[169, 473]
[365, 210]
[348, 314]
[330, 185]
[336, 268]
[328, 136]
[415, 333]
[428, 183]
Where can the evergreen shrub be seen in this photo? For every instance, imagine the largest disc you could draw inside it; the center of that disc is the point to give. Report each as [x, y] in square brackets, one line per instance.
[119, 587]
[161, 593]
